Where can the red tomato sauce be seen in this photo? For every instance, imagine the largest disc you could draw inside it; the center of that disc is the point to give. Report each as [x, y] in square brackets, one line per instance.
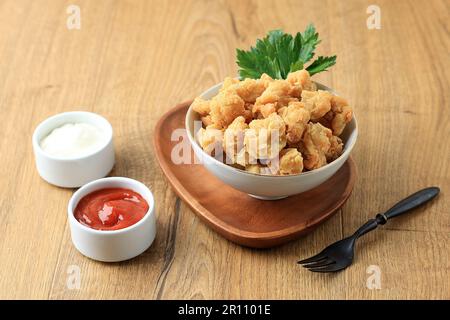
[111, 209]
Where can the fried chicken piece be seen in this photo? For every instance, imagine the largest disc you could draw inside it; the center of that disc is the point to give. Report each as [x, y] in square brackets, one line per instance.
[317, 102]
[228, 82]
[250, 89]
[244, 159]
[257, 168]
[233, 139]
[253, 168]
[337, 118]
[201, 106]
[291, 161]
[210, 139]
[276, 96]
[316, 144]
[265, 138]
[296, 116]
[300, 80]
[342, 114]
[335, 150]
[206, 120]
[266, 79]
[225, 107]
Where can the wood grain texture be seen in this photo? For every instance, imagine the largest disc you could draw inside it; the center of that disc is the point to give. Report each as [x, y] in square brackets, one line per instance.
[133, 60]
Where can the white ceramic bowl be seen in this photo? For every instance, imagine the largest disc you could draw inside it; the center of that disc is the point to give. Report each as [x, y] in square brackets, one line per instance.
[113, 245]
[264, 186]
[76, 171]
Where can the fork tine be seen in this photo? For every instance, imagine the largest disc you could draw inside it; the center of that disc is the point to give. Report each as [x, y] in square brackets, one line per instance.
[320, 256]
[329, 268]
[321, 263]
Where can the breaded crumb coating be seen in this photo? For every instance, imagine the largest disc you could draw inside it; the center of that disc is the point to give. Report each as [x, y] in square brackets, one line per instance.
[265, 138]
[296, 116]
[249, 89]
[336, 147]
[273, 126]
[291, 161]
[337, 118]
[300, 80]
[201, 106]
[233, 139]
[225, 107]
[210, 139]
[276, 96]
[316, 144]
[317, 102]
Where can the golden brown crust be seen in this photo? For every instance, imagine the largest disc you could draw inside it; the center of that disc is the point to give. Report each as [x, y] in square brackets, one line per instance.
[291, 161]
[296, 116]
[317, 102]
[269, 126]
[225, 107]
[233, 139]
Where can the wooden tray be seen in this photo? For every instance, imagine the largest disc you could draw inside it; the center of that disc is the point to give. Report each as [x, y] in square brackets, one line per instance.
[237, 216]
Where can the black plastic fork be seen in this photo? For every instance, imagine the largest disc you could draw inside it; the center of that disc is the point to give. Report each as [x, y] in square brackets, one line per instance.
[339, 255]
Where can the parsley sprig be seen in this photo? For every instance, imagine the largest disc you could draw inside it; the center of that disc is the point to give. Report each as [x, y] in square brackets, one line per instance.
[279, 53]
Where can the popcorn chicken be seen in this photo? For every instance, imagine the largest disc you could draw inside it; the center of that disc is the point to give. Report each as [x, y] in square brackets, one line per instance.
[335, 150]
[316, 144]
[244, 159]
[225, 107]
[201, 106]
[342, 114]
[206, 120]
[249, 89]
[296, 116]
[228, 82]
[272, 126]
[276, 96]
[257, 168]
[233, 140]
[317, 102]
[266, 79]
[300, 80]
[265, 138]
[210, 139]
[291, 161]
[337, 118]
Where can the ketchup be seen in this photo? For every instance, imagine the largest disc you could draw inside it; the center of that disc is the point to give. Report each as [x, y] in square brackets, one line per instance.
[111, 209]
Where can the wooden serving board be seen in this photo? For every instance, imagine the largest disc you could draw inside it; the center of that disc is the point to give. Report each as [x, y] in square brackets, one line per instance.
[237, 216]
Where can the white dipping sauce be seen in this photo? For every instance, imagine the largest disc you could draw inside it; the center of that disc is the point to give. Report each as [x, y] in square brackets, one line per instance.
[73, 140]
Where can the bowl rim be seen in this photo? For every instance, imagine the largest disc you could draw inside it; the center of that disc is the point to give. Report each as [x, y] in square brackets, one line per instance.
[36, 142]
[346, 153]
[72, 205]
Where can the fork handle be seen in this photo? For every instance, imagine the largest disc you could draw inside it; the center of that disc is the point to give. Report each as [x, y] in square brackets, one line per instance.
[413, 201]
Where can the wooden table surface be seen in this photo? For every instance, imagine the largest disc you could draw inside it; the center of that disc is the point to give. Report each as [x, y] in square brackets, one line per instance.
[131, 61]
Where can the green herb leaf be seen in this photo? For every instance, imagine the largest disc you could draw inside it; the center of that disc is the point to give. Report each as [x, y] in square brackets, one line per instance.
[279, 53]
[310, 40]
[321, 64]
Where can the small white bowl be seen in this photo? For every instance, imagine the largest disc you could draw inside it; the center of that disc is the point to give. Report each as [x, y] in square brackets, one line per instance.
[76, 171]
[268, 187]
[113, 245]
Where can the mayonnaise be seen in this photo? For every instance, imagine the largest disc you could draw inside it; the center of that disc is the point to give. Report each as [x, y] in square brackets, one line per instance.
[73, 140]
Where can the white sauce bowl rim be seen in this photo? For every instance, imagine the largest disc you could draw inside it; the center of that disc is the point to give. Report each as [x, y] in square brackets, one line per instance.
[36, 142]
